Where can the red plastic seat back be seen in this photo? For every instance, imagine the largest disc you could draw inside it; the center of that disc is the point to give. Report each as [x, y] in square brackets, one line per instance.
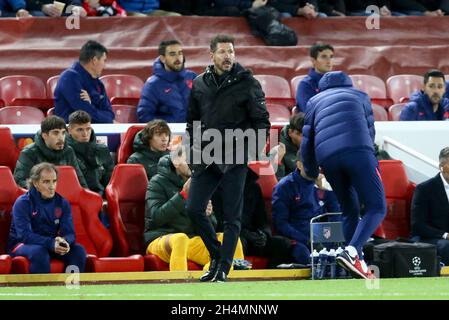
[126, 206]
[21, 115]
[126, 146]
[278, 113]
[274, 86]
[394, 112]
[9, 153]
[51, 85]
[122, 85]
[398, 192]
[125, 113]
[402, 85]
[294, 83]
[86, 205]
[18, 86]
[371, 85]
[267, 181]
[9, 192]
[380, 114]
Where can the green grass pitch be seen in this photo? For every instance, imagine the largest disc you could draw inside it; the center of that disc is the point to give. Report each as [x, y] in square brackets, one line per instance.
[384, 289]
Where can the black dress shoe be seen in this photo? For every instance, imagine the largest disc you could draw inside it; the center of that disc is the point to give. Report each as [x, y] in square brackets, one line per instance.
[220, 276]
[210, 274]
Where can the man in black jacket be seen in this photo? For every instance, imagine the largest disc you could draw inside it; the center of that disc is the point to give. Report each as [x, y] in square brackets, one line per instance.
[430, 208]
[225, 99]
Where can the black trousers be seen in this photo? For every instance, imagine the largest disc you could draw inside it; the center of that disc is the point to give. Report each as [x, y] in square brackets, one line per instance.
[202, 187]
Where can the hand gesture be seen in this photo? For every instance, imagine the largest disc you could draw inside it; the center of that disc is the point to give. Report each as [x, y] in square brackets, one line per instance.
[85, 96]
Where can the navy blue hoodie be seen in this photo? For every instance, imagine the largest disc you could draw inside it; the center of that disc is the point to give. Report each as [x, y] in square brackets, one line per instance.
[38, 221]
[307, 88]
[420, 108]
[67, 95]
[165, 95]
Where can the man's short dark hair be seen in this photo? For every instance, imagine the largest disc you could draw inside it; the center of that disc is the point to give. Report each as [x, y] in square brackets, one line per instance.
[297, 122]
[90, 50]
[51, 123]
[444, 156]
[164, 44]
[154, 127]
[318, 47]
[433, 73]
[220, 38]
[79, 117]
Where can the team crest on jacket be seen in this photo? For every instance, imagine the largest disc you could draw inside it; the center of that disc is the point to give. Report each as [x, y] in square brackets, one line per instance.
[58, 212]
[189, 83]
[297, 197]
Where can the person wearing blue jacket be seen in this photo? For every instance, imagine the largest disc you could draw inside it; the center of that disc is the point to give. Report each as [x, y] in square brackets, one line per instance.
[165, 94]
[322, 56]
[429, 103]
[338, 136]
[295, 201]
[42, 226]
[79, 87]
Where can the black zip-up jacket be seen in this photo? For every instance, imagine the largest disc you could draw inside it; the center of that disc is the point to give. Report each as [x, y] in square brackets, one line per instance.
[238, 102]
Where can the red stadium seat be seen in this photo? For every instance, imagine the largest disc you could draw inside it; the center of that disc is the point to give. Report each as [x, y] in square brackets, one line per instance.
[267, 181]
[399, 192]
[294, 82]
[402, 85]
[276, 89]
[9, 192]
[90, 232]
[51, 85]
[19, 86]
[21, 115]
[125, 113]
[126, 146]
[122, 85]
[371, 85]
[9, 153]
[380, 114]
[394, 112]
[278, 113]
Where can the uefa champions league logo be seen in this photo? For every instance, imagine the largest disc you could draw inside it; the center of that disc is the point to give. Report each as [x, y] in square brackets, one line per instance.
[416, 261]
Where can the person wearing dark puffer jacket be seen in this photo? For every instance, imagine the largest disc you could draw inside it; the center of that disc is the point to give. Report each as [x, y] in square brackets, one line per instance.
[94, 158]
[429, 103]
[338, 136]
[165, 94]
[49, 146]
[150, 144]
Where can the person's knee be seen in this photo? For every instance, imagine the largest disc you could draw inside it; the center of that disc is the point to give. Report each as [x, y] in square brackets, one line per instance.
[301, 253]
[179, 238]
[38, 254]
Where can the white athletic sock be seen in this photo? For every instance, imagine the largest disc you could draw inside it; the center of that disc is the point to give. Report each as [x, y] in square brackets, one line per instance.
[351, 250]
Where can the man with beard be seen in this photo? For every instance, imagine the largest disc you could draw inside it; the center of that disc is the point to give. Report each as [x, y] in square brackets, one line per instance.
[429, 103]
[49, 147]
[166, 93]
[225, 98]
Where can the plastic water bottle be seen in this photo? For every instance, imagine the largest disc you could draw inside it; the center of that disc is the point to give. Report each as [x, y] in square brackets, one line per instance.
[314, 258]
[341, 272]
[332, 264]
[322, 263]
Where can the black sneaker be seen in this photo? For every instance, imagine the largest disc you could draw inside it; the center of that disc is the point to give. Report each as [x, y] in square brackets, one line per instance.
[220, 276]
[210, 274]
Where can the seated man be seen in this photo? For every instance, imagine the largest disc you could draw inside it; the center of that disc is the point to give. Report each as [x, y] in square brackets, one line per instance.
[42, 226]
[165, 94]
[40, 8]
[290, 140]
[430, 207]
[150, 144]
[49, 146]
[322, 57]
[429, 103]
[94, 158]
[169, 232]
[295, 201]
[79, 87]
